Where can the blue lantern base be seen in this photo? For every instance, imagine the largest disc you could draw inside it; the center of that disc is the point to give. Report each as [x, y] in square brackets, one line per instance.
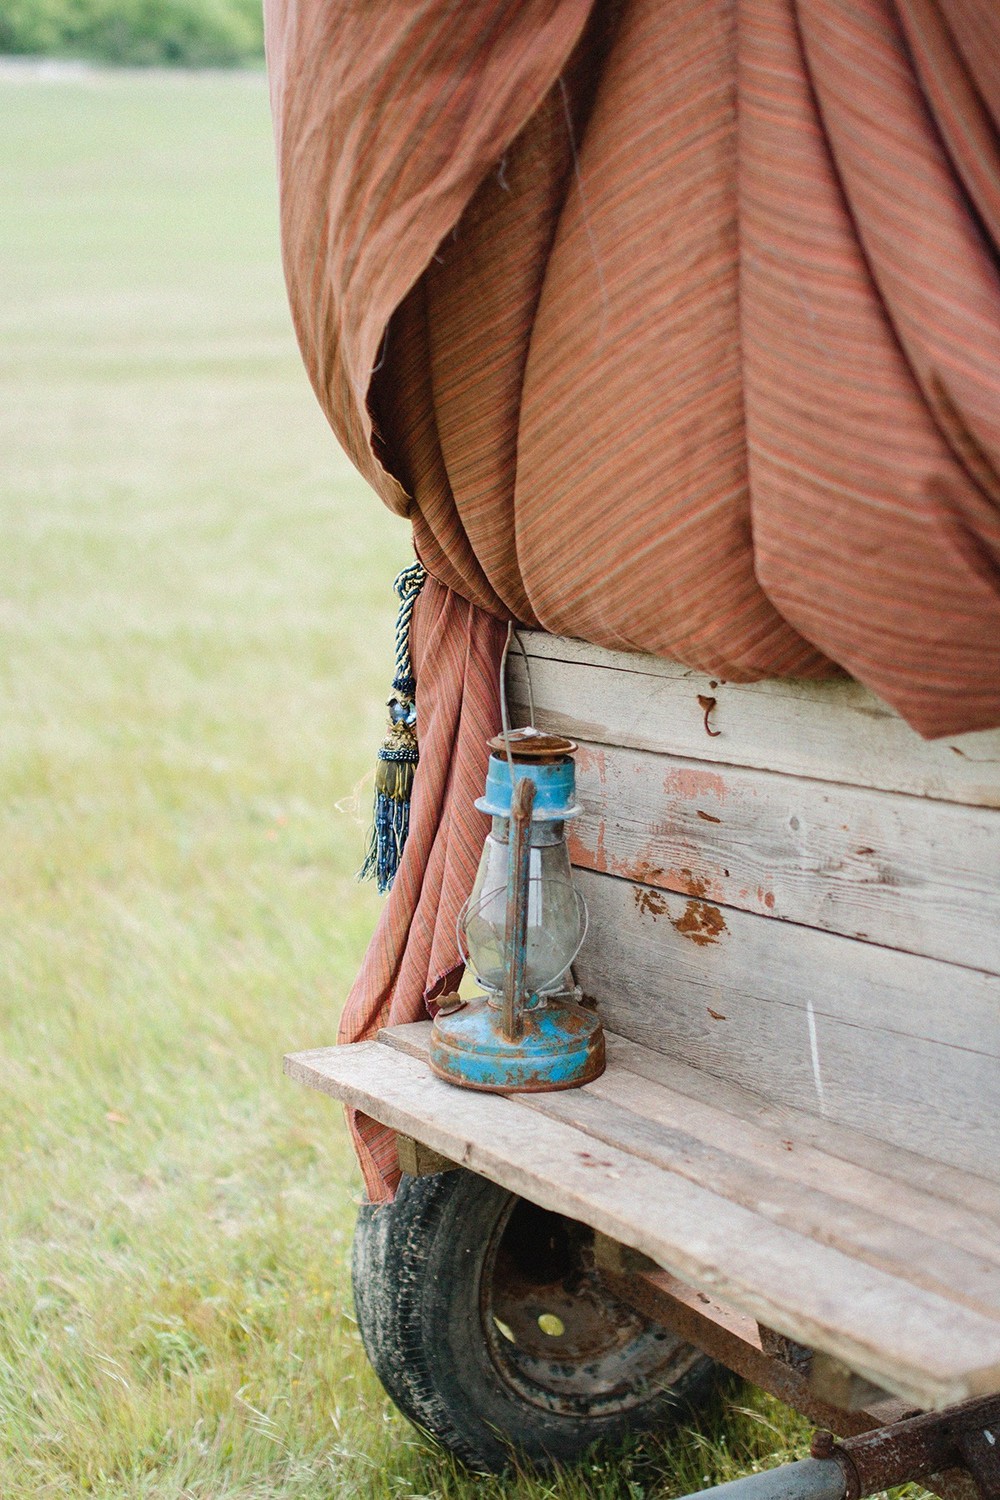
[561, 1047]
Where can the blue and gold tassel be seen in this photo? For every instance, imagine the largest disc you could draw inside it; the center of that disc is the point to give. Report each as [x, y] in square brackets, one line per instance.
[398, 753]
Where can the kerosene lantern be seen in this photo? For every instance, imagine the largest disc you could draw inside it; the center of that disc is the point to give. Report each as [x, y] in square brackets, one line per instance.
[523, 925]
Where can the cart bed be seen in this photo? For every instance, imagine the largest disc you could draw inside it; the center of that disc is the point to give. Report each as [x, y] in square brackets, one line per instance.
[889, 1262]
[794, 940]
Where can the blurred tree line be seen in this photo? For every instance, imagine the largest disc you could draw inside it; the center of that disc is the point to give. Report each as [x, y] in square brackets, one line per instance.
[182, 33]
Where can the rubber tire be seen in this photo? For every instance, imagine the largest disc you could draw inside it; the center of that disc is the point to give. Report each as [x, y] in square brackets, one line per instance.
[417, 1271]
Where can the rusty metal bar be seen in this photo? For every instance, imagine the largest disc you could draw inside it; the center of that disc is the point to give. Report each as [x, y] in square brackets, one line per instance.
[914, 1449]
[516, 932]
[962, 1466]
[920, 1448]
[980, 1452]
[733, 1339]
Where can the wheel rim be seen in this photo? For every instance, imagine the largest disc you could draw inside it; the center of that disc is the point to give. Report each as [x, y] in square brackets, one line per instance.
[555, 1331]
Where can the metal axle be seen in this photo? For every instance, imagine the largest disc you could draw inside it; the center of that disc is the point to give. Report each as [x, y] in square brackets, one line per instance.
[810, 1479]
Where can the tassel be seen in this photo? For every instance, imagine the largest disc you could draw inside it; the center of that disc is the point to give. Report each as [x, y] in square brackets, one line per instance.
[398, 754]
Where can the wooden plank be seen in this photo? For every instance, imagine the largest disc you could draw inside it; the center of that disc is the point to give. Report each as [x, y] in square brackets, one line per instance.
[919, 1189]
[830, 1380]
[901, 1047]
[906, 872]
[919, 1185]
[861, 1231]
[911, 1341]
[418, 1160]
[832, 731]
[934, 1245]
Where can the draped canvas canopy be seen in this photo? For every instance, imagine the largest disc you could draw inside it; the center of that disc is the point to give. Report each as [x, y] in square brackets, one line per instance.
[673, 325]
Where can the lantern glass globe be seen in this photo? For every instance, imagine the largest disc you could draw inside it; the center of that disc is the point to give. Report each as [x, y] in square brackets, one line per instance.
[556, 911]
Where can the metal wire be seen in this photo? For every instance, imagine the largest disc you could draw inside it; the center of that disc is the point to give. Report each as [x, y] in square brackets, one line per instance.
[504, 713]
[512, 635]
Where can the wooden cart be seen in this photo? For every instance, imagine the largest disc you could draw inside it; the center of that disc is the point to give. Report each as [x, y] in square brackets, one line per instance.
[793, 1159]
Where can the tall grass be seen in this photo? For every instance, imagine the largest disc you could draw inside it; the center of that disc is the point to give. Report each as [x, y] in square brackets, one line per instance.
[196, 612]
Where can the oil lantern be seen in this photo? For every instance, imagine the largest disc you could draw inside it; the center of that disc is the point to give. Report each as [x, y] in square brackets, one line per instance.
[523, 926]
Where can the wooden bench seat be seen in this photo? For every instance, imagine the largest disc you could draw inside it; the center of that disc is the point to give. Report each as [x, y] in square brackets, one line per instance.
[879, 1257]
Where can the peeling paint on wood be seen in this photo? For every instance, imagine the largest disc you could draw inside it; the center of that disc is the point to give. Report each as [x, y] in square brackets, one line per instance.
[650, 903]
[903, 871]
[700, 922]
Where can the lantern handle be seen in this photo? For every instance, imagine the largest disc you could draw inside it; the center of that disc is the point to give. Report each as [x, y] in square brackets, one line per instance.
[516, 925]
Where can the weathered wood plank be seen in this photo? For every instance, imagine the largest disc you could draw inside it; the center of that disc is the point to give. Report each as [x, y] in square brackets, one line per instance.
[906, 872]
[832, 731]
[921, 1189]
[833, 1382]
[699, 1320]
[862, 1231]
[912, 1341]
[934, 1245]
[963, 1207]
[901, 1047]
[418, 1160]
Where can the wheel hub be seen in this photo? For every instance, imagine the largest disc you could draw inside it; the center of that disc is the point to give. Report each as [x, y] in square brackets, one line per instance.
[556, 1332]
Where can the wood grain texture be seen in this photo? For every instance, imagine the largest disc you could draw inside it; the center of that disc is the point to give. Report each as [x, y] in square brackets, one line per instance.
[917, 1342]
[920, 1186]
[739, 1343]
[903, 871]
[869, 1215]
[831, 731]
[902, 1047]
[626, 1115]
[793, 943]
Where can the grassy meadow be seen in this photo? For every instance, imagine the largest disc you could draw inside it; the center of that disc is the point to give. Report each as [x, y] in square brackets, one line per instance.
[196, 614]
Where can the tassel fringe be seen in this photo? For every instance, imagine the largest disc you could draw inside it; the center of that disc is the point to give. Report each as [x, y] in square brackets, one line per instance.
[399, 753]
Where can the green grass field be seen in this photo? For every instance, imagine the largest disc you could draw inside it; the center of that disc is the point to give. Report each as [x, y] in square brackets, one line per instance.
[195, 599]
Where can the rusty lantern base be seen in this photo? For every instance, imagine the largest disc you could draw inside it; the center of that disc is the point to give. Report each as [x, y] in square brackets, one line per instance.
[560, 1046]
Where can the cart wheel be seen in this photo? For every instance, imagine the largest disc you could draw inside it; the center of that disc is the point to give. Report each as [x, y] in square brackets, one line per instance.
[490, 1328]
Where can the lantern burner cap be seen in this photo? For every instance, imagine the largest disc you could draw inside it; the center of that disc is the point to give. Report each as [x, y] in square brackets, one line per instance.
[531, 744]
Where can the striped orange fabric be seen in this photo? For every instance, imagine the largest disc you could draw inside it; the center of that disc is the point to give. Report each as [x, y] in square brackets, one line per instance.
[670, 324]
[876, 526]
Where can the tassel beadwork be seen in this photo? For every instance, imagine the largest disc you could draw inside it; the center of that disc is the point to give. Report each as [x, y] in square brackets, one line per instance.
[398, 754]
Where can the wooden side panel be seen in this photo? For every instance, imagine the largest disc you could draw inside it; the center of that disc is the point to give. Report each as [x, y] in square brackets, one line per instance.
[832, 731]
[902, 1047]
[904, 871]
[790, 890]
